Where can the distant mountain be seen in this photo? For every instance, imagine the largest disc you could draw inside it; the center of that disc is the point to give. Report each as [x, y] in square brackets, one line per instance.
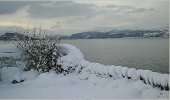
[13, 36]
[98, 34]
[121, 33]
[17, 36]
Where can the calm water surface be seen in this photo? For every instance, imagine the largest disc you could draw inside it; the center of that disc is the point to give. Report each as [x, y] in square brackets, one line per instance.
[151, 54]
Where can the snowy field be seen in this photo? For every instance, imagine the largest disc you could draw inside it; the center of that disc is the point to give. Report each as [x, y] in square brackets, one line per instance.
[94, 81]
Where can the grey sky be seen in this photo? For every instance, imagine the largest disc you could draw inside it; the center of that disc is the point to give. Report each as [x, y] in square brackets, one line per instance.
[66, 17]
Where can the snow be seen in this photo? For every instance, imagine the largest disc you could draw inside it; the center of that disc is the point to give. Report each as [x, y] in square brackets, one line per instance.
[8, 74]
[8, 55]
[73, 57]
[124, 71]
[51, 85]
[88, 81]
[132, 73]
[8, 50]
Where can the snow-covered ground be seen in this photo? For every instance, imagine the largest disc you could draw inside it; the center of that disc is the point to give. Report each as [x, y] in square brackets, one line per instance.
[94, 81]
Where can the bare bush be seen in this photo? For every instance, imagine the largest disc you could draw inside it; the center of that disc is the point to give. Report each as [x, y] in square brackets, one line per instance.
[39, 53]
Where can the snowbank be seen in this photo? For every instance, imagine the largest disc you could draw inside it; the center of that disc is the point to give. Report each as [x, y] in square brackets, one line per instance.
[73, 59]
[90, 80]
[51, 85]
[8, 74]
[118, 72]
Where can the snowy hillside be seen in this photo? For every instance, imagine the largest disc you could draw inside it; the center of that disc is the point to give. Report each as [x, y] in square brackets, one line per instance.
[121, 33]
[89, 80]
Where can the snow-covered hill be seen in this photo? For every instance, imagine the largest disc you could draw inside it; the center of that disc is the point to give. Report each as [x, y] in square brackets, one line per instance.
[120, 33]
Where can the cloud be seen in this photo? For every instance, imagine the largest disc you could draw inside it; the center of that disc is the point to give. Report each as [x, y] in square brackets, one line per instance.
[125, 8]
[69, 16]
[138, 10]
[7, 7]
[60, 9]
[10, 7]
[53, 9]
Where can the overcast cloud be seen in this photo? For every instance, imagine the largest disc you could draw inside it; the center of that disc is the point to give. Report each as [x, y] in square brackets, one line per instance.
[72, 16]
[61, 9]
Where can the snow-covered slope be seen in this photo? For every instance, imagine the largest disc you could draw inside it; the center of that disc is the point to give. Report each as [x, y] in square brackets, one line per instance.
[90, 80]
[50, 86]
